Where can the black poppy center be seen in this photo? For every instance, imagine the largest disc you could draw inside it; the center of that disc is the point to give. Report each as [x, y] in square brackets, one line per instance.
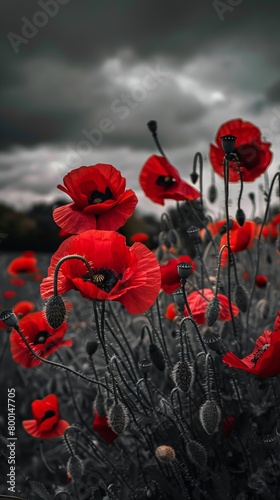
[165, 180]
[249, 155]
[48, 414]
[99, 197]
[103, 278]
[41, 337]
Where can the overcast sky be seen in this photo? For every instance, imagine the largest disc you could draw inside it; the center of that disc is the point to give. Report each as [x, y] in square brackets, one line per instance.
[81, 78]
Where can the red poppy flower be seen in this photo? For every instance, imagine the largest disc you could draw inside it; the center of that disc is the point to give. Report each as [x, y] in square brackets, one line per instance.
[213, 227]
[17, 281]
[28, 253]
[269, 232]
[264, 360]
[9, 294]
[161, 181]
[198, 304]
[101, 426]
[129, 275]
[171, 311]
[241, 238]
[47, 423]
[23, 307]
[253, 153]
[261, 281]
[22, 266]
[140, 237]
[170, 279]
[276, 326]
[100, 200]
[42, 338]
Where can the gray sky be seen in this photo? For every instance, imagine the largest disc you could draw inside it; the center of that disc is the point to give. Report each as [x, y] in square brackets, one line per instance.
[80, 79]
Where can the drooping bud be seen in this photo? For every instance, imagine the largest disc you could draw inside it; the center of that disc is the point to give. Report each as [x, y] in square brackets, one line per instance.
[197, 453]
[212, 312]
[152, 126]
[117, 417]
[157, 357]
[75, 467]
[55, 311]
[212, 193]
[194, 177]
[91, 347]
[210, 416]
[182, 375]
[165, 454]
[241, 298]
[240, 216]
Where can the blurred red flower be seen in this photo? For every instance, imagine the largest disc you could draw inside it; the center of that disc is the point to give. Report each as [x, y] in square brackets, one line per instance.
[42, 338]
[22, 266]
[141, 237]
[23, 307]
[9, 294]
[261, 281]
[101, 426]
[17, 281]
[253, 153]
[161, 181]
[129, 275]
[198, 302]
[47, 423]
[100, 200]
[170, 279]
[263, 360]
[241, 238]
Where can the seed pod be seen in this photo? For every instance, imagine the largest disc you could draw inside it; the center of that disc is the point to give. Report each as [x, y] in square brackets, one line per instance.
[157, 357]
[91, 347]
[144, 366]
[212, 340]
[165, 454]
[210, 416]
[75, 467]
[212, 311]
[117, 417]
[55, 311]
[182, 375]
[152, 126]
[9, 318]
[197, 453]
[241, 298]
[240, 216]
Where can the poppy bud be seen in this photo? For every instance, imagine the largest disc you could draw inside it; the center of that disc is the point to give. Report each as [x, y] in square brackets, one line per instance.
[55, 311]
[75, 467]
[157, 357]
[261, 281]
[117, 418]
[91, 347]
[210, 416]
[228, 143]
[165, 454]
[9, 318]
[197, 454]
[182, 375]
[212, 311]
[194, 177]
[212, 193]
[240, 217]
[152, 126]
[241, 298]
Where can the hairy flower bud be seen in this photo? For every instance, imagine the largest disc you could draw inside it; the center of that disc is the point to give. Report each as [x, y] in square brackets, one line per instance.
[117, 417]
[241, 298]
[182, 375]
[75, 467]
[197, 453]
[210, 416]
[212, 311]
[55, 311]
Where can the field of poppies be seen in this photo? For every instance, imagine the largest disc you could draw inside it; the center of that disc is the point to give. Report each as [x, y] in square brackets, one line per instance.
[132, 370]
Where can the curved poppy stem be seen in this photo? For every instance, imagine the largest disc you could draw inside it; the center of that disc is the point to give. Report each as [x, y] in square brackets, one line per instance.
[258, 245]
[58, 365]
[199, 158]
[190, 318]
[61, 261]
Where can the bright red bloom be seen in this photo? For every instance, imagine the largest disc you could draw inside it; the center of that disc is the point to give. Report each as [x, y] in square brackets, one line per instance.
[198, 304]
[170, 279]
[9, 294]
[47, 423]
[17, 281]
[101, 426]
[100, 200]
[264, 360]
[261, 281]
[23, 307]
[161, 181]
[22, 266]
[171, 311]
[42, 338]
[141, 237]
[241, 238]
[129, 275]
[253, 153]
